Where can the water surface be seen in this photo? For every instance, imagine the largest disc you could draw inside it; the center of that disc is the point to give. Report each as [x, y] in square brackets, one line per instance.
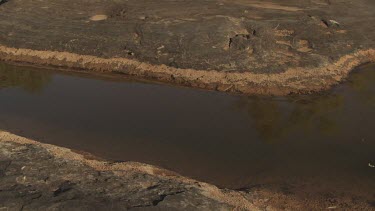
[317, 143]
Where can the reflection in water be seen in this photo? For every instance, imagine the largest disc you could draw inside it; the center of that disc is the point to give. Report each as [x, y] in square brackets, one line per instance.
[274, 119]
[303, 141]
[25, 78]
[363, 86]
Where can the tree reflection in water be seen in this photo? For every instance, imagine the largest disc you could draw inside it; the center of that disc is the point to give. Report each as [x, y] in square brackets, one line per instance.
[277, 118]
[362, 83]
[25, 78]
[273, 118]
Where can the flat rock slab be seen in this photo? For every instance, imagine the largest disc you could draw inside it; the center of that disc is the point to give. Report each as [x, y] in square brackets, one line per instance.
[261, 38]
[32, 178]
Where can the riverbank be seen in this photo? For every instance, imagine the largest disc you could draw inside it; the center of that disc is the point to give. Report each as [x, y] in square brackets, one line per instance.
[246, 47]
[42, 176]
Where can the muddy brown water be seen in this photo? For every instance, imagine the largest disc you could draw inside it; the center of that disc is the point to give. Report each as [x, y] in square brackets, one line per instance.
[312, 144]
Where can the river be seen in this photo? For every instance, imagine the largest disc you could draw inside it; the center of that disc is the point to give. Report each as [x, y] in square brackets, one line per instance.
[306, 144]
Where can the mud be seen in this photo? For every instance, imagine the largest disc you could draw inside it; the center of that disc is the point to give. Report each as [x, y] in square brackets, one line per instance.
[250, 47]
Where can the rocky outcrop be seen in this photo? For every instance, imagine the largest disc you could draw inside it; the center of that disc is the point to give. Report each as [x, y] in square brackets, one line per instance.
[251, 47]
[35, 176]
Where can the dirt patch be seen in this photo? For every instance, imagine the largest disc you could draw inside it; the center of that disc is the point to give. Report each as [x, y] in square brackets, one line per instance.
[99, 17]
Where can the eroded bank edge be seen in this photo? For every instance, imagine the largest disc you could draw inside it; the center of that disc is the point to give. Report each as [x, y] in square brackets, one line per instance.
[293, 80]
[229, 197]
